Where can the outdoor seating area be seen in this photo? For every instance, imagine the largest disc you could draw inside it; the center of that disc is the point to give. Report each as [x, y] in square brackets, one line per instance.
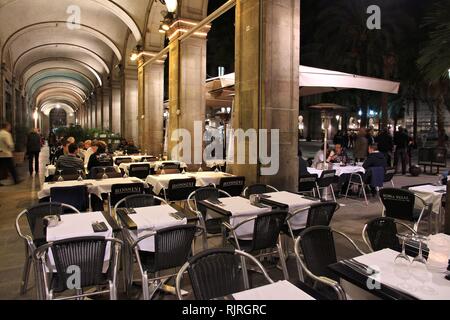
[205, 159]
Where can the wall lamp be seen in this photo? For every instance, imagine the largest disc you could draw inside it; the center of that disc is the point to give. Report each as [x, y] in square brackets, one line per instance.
[168, 17]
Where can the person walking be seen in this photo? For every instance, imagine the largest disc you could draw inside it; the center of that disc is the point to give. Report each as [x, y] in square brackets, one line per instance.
[33, 151]
[385, 145]
[6, 151]
[401, 146]
[361, 146]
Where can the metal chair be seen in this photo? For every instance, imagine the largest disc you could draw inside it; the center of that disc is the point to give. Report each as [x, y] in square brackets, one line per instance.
[118, 161]
[172, 249]
[258, 189]
[232, 185]
[139, 201]
[98, 171]
[216, 273]
[169, 167]
[179, 189]
[140, 171]
[381, 233]
[77, 196]
[121, 191]
[400, 204]
[375, 176]
[308, 184]
[149, 159]
[111, 175]
[212, 227]
[389, 176]
[33, 214]
[315, 251]
[326, 180]
[88, 255]
[265, 238]
[319, 214]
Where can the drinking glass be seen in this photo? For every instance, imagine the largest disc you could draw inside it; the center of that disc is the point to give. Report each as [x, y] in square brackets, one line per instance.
[80, 175]
[402, 265]
[60, 179]
[125, 175]
[419, 269]
[104, 176]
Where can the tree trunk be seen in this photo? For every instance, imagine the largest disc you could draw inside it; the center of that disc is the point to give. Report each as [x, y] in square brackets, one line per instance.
[384, 111]
[440, 114]
[415, 119]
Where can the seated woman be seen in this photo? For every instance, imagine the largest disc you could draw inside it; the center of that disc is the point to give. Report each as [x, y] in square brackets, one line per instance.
[303, 164]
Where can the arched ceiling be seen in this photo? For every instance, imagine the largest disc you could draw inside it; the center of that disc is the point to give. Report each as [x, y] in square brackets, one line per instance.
[65, 49]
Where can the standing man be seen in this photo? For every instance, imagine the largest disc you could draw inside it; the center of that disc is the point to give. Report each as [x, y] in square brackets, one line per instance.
[385, 145]
[401, 146]
[33, 150]
[6, 151]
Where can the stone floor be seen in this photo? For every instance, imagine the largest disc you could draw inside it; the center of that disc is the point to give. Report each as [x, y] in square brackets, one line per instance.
[350, 219]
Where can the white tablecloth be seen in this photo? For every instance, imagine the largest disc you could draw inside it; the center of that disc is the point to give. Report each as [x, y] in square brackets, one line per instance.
[160, 182]
[208, 177]
[339, 170]
[214, 163]
[96, 187]
[50, 170]
[77, 226]
[133, 157]
[282, 290]
[241, 209]
[294, 202]
[430, 194]
[152, 219]
[432, 286]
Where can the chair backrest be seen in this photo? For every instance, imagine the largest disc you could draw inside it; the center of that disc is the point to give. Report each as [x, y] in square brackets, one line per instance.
[204, 194]
[96, 170]
[389, 174]
[319, 251]
[88, 254]
[398, 203]
[170, 165]
[76, 196]
[382, 234]
[140, 201]
[215, 273]
[141, 170]
[149, 159]
[67, 177]
[320, 214]
[173, 246]
[180, 189]
[267, 229]
[377, 175]
[258, 189]
[232, 185]
[111, 175]
[327, 178]
[121, 191]
[105, 160]
[42, 210]
[123, 160]
[307, 183]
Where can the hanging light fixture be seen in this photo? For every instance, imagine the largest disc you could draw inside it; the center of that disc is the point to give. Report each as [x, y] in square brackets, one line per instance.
[169, 16]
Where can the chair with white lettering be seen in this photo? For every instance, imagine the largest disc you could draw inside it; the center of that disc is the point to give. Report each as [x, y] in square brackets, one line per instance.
[232, 185]
[140, 170]
[401, 204]
[179, 189]
[121, 191]
[258, 189]
[79, 262]
[217, 273]
[118, 161]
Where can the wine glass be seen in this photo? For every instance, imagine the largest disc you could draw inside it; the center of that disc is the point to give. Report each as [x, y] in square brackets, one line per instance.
[146, 152]
[200, 169]
[60, 179]
[104, 176]
[160, 157]
[80, 175]
[402, 265]
[125, 175]
[184, 171]
[419, 269]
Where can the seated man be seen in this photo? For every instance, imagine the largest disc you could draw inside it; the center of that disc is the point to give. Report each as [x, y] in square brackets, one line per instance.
[339, 155]
[375, 161]
[131, 148]
[71, 160]
[100, 158]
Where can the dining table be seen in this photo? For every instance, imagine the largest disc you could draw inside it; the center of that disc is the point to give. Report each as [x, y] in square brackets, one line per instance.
[340, 169]
[125, 166]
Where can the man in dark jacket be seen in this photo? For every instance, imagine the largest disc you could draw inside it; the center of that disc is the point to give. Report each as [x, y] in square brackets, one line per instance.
[375, 166]
[33, 150]
[401, 147]
[375, 158]
[385, 145]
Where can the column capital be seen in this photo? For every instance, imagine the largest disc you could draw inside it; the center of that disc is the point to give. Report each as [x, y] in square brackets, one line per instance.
[182, 26]
[147, 55]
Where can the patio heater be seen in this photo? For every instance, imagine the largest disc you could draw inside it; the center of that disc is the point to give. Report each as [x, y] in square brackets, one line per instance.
[327, 111]
[225, 116]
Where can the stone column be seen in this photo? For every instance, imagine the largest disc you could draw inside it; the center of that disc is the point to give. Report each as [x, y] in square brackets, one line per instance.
[106, 91]
[99, 108]
[267, 82]
[129, 110]
[115, 111]
[187, 76]
[151, 107]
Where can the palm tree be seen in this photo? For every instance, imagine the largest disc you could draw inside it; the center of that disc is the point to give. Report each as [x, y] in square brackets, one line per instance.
[343, 40]
[434, 61]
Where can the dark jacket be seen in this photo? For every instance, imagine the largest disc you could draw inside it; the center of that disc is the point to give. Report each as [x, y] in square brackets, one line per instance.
[100, 160]
[385, 142]
[401, 140]
[303, 167]
[376, 159]
[33, 142]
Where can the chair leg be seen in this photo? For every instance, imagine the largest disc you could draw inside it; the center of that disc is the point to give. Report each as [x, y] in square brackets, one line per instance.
[348, 188]
[112, 291]
[145, 287]
[282, 260]
[26, 272]
[245, 273]
[392, 182]
[332, 192]
[363, 187]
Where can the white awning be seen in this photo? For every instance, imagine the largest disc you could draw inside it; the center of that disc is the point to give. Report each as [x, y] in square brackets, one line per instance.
[312, 81]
